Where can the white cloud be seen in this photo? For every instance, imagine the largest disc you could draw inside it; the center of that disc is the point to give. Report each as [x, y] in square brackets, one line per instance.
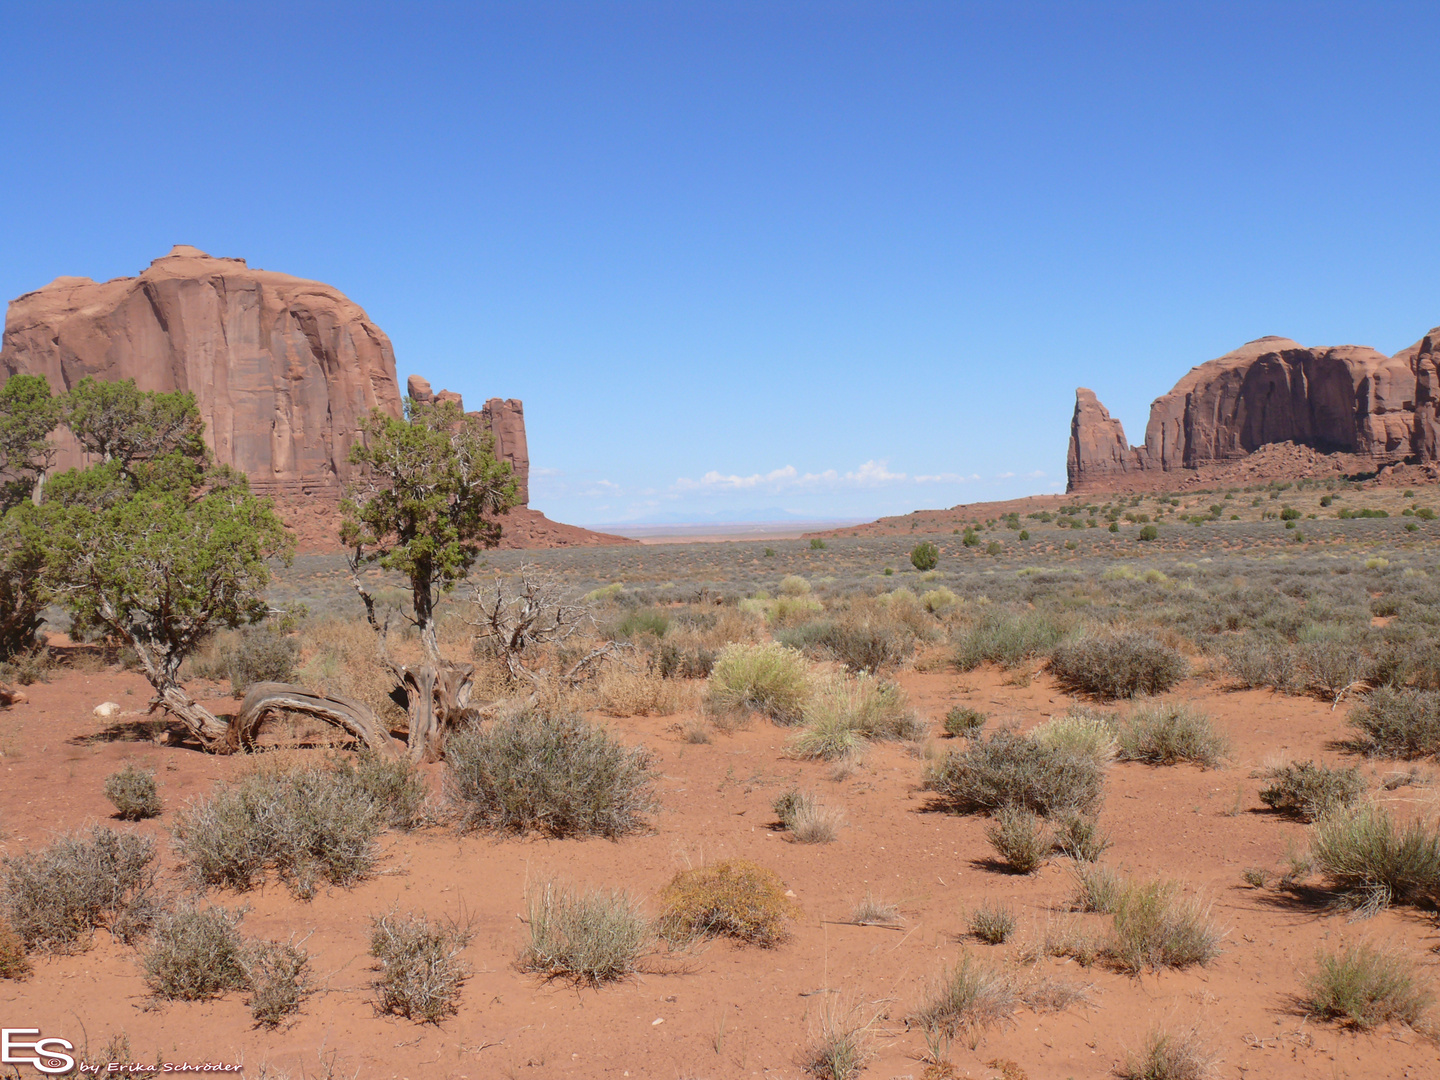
[871, 474]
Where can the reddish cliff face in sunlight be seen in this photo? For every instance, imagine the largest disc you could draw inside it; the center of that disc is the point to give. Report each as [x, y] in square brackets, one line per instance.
[1357, 409]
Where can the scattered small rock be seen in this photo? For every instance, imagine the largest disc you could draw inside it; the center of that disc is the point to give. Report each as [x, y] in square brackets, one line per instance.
[107, 709]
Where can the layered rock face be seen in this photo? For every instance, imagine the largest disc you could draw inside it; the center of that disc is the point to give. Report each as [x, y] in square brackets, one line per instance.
[504, 417]
[1354, 404]
[283, 369]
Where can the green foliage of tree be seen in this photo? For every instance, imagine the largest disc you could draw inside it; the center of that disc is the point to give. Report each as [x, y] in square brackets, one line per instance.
[925, 556]
[28, 413]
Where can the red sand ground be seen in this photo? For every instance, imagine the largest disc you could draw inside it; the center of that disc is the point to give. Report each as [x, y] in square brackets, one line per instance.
[727, 1011]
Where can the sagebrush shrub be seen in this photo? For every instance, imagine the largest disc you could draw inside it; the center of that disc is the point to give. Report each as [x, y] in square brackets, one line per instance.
[195, 953]
[1401, 724]
[421, 971]
[1117, 665]
[771, 679]
[53, 898]
[992, 923]
[1371, 862]
[1168, 734]
[962, 721]
[1019, 838]
[1007, 769]
[734, 898]
[260, 654]
[1006, 638]
[311, 824]
[1362, 986]
[556, 775]
[592, 937]
[132, 791]
[860, 642]
[1307, 790]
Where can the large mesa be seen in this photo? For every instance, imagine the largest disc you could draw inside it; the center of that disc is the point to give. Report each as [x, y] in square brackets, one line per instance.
[1271, 409]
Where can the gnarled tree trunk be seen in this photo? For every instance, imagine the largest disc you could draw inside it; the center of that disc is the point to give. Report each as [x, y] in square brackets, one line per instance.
[437, 696]
[351, 716]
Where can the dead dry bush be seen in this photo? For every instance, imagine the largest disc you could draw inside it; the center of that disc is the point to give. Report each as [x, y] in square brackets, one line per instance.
[277, 974]
[1117, 665]
[195, 953]
[55, 897]
[132, 791]
[1008, 769]
[554, 774]
[421, 972]
[312, 824]
[734, 898]
[591, 937]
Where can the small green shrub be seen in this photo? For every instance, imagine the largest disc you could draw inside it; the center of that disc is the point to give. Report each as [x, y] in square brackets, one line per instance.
[421, 972]
[1168, 733]
[1020, 839]
[816, 544]
[1397, 723]
[590, 938]
[1149, 532]
[1372, 863]
[1363, 986]
[925, 556]
[54, 897]
[194, 954]
[560, 776]
[1007, 769]
[770, 679]
[1307, 790]
[992, 923]
[963, 721]
[636, 623]
[1156, 927]
[132, 791]
[734, 898]
[1117, 665]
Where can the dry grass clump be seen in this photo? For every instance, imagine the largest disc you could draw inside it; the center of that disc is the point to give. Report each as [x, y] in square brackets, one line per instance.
[992, 923]
[1372, 863]
[963, 721]
[772, 679]
[1020, 839]
[557, 775]
[1081, 732]
[806, 819]
[132, 791]
[260, 654]
[1171, 1055]
[1156, 927]
[1117, 665]
[621, 691]
[872, 911]
[591, 938]
[734, 898]
[1166, 733]
[1363, 986]
[194, 954]
[421, 972]
[1307, 791]
[975, 994]
[14, 964]
[1007, 769]
[1080, 838]
[841, 1047]
[311, 824]
[1401, 724]
[1097, 889]
[1005, 637]
[53, 898]
[846, 710]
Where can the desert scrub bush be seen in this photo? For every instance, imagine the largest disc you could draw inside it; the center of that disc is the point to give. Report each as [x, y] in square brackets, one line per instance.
[260, 654]
[841, 1047]
[53, 898]
[1171, 1055]
[195, 953]
[1331, 665]
[1097, 889]
[556, 775]
[1371, 863]
[1007, 769]
[132, 791]
[1306, 790]
[1079, 732]
[970, 996]
[1401, 724]
[770, 679]
[1117, 665]
[311, 824]
[1255, 663]
[395, 785]
[675, 662]
[1363, 986]
[858, 639]
[992, 923]
[421, 971]
[734, 898]
[623, 692]
[844, 710]
[1006, 638]
[938, 601]
[962, 721]
[925, 556]
[14, 964]
[277, 974]
[637, 623]
[591, 938]
[1080, 838]
[1166, 733]
[1157, 927]
[1019, 838]
[793, 585]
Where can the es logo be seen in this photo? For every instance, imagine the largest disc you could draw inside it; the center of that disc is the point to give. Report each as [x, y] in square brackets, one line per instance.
[25, 1046]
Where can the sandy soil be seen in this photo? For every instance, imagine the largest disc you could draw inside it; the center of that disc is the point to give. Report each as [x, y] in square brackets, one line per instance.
[727, 1011]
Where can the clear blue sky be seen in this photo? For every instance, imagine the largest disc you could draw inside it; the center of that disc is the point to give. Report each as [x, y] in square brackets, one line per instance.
[837, 259]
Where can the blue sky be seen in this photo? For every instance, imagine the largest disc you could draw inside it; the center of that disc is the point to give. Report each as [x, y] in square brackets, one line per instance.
[839, 259]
